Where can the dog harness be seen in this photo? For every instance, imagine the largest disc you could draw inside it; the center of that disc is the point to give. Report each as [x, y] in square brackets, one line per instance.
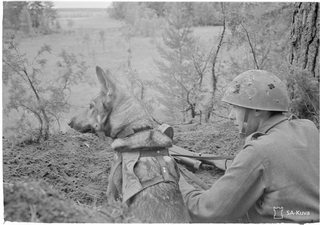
[131, 150]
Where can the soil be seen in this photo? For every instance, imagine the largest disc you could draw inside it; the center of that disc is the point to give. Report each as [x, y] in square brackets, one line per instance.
[65, 178]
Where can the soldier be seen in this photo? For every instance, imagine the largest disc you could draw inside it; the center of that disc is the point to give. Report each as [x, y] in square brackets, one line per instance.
[275, 177]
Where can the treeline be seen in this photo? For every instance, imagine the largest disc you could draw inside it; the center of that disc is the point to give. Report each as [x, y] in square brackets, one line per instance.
[30, 17]
[202, 13]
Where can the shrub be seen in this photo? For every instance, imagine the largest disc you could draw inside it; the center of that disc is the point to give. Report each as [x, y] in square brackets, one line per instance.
[303, 90]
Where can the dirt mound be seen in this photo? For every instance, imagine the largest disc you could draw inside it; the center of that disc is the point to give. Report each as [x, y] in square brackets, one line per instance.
[217, 138]
[220, 138]
[37, 202]
[76, 165]
[65, 178]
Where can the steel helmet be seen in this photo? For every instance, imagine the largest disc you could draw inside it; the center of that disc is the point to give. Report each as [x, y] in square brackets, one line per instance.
[257, 89]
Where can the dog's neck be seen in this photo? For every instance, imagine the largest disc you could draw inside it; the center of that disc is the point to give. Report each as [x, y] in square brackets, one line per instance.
[128, 118]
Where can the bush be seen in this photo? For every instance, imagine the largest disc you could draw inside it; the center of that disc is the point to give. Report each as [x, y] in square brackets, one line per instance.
[28, 91]
[303, 90]
[140, 19]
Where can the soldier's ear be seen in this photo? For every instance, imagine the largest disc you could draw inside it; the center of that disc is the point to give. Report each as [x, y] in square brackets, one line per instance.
[106, 84]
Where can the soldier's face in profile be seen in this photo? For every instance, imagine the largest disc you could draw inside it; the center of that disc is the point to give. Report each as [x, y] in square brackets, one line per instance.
[237, 114]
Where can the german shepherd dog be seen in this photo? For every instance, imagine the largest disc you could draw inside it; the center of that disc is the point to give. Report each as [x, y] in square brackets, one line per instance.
[143, 174]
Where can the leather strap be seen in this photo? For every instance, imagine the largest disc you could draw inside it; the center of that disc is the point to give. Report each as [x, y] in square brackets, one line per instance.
[130, 182]
[243, 132]
[203, 156]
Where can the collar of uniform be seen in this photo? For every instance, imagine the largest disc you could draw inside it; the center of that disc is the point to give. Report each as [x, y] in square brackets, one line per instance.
[271, 122]
[265, 127]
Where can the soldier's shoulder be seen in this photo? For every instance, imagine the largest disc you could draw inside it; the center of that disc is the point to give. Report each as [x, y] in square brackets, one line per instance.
[308, 123]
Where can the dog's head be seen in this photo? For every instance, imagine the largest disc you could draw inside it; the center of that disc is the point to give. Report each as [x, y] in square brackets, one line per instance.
[113, 112]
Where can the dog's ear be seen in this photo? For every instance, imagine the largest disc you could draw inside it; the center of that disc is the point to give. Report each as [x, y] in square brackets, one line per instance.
[107, 85]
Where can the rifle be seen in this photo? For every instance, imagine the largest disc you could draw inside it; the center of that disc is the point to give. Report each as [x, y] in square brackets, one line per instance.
[192, 159]
[195, 160]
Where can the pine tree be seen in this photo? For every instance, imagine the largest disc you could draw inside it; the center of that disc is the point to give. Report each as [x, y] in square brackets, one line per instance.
[25, 21]
[36, 11]
[178, 77]
[10, 12]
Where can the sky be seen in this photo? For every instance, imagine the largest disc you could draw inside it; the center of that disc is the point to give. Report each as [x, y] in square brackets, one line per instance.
[81, 4]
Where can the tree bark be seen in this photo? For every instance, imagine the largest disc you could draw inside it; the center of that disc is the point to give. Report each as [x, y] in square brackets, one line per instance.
[303, 84]
[304, 46]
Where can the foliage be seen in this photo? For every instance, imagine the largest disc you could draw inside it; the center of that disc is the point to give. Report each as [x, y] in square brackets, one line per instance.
[25, 21]
[202, 13]
[31, 92]
[304, 94]
[208, 83]
[11, 10]
[43, 16]
[38, 15]
[207, 14]
[117, 10]
[260, 30]
[178, 77]
[257, 37]
[36, 11]
[145, 18]
[139, 19]
[158, 7]
[138, 87]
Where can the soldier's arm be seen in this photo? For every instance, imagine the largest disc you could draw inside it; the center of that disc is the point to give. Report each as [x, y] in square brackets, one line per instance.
[233, 194]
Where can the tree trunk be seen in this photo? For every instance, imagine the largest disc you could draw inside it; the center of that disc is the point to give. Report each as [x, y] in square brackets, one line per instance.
[46, 128]
[303, 84]
[305, 28]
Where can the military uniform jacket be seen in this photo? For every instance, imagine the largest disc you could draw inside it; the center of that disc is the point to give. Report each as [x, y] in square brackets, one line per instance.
[274, 178]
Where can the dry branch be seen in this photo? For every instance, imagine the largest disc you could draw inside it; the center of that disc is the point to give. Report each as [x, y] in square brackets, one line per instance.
[251, 47]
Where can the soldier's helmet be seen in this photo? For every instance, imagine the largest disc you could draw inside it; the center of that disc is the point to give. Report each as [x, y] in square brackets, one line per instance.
[257, 89]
